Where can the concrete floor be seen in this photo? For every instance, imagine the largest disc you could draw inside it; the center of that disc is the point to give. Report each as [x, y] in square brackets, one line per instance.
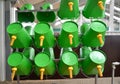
[67, 81]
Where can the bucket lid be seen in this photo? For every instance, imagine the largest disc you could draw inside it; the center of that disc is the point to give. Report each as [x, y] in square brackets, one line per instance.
[42, 59]
[98, 57]
[13, 28]
[70, 26]
[15, 59]
[42, 28]
[69, 58]
[98, 26]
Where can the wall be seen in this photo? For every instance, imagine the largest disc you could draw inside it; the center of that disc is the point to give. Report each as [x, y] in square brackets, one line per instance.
[112, 50]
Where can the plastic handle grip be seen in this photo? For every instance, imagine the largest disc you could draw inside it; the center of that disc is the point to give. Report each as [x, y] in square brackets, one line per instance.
[13, 73]
[70, 4]
[99, 36]
[41, 40]
[70, 39]
[99, 68]
[100, 4]
[42, 70]
[13, 38]
[70, 71]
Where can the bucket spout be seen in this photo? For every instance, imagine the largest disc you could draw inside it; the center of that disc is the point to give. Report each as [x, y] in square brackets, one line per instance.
[70, 36]
[70, 4]
[13, 38]
[13, 73]
[99, 68]
[99, 36]
[42, 70]
[100, 4]
[70, 72]
[41, 40]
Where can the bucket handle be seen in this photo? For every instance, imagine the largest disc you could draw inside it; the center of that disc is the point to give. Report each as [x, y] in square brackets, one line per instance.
[70, 36]
[13, 73]
[70, 4]
[42, 70]
[100, 4]
[13, 38]
[70, 71]
[41, 40]
[99, 36]
[99, 68]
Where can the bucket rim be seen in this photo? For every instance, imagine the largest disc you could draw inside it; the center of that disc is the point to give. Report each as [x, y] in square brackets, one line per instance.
[74, 23]
[36, 28]
[100, 51]
[10, 30]
[105, 26]
[39, 65]
[18, 62]
[75, 58]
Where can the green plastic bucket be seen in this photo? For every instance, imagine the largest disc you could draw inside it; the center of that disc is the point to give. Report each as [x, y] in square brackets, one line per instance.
[29, 53]
[43, 36]
[18, 36]
[85, 51]
[47, 14]
[69, 35]
[68, 59]
[69, 9]
[19, 61]
[95, 58]
[84, 28]
[26, 16]
[94, 9]
[50, 52]
[30, 30]
[43, 60]
[95, 36]
[84, 54]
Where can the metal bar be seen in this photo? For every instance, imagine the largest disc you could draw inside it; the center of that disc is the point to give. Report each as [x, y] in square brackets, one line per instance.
[40, 10]
[113, 74]
[12, 13]
[111, 20]
[79, 59]
[7, 47]
[18, 79]
[2, 42]
[96, 79]
[114, 64]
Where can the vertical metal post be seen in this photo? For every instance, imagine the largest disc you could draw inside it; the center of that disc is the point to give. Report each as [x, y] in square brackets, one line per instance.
[114, 64]
[8, 20]
[111, 20]
[113, 74]
[96, 79]
[12, 12]
[18, 79]
[2, 41]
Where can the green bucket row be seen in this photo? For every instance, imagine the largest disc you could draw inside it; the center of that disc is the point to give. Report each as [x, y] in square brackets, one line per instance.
[42, 35]
[23, 63]
[69, 9]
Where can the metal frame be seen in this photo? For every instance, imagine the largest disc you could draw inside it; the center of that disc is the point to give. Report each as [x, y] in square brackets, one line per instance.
[114, 64]
[111, 26]
[2, 42]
